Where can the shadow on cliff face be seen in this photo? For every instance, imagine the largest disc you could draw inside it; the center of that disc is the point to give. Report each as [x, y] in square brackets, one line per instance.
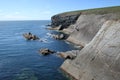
[63, 21]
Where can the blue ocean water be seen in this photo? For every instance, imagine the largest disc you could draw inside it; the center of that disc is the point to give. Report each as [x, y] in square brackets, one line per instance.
[20, 59]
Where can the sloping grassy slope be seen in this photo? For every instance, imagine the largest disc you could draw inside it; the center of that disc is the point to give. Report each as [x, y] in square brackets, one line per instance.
[105, 10]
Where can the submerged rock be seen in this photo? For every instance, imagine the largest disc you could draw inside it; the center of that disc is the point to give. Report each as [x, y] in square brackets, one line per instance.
[46, 51]
[30, 36]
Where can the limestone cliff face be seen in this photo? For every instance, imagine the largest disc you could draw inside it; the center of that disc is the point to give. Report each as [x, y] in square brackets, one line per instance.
[81, 27]
[63, 20]
[86, 27]
[100, 59]
[99, 35]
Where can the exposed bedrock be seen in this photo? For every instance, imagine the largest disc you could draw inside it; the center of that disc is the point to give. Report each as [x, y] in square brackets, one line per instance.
[86, 27]
[81, 27]
[69, 54]
[63, 21]
[100, 58]
[97, 31]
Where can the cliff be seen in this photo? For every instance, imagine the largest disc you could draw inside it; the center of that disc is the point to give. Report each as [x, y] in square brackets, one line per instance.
[64, 20]
[98, 60]
[98, 32]
[83, 25]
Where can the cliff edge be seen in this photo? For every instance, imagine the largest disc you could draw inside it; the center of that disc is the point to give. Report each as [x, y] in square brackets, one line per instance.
[98, 32]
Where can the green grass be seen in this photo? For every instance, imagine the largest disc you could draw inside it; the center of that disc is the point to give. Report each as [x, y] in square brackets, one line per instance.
[105, 10]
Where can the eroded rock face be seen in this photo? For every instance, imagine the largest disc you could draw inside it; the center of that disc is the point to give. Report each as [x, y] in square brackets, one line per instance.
[86, 27]
[63, 21]
[83, 27]
[100, 58]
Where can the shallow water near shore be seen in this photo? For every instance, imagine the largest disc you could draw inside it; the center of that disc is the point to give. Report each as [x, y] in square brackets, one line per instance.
[20, 59]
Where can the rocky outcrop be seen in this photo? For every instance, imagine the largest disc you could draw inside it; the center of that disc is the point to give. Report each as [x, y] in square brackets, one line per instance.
[30, 36]
[86, 27]
[83, 28]
[69, 54]
[59, 36]
[97, 31]
[63, 21]
[46, 51]
[100, 59]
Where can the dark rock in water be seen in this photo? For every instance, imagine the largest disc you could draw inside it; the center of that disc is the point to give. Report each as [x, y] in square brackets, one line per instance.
[59, 36]
[30, 36]
[34, 37]
[46, 51]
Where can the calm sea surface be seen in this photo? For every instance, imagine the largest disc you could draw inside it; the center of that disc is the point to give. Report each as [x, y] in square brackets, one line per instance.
[20, 59]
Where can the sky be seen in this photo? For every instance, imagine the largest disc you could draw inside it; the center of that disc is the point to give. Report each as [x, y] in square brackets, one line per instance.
[44, 9]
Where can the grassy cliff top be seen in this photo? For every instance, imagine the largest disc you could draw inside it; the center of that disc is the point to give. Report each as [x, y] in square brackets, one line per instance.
[105, 10]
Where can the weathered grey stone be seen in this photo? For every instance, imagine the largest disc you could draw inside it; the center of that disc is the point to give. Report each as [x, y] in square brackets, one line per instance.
[100, 58]
[59, 36]
[86, 27]
[69, 54]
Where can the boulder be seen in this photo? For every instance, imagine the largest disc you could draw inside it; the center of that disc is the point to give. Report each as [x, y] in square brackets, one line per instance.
[46, 51]
[59, 36]
[69, 54]
[30, 36]
[66, 56]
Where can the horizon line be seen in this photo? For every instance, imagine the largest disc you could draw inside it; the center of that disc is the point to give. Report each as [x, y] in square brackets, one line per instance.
[27, 20]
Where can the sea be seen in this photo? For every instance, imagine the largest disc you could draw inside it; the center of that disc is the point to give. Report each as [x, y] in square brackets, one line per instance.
[20, 59]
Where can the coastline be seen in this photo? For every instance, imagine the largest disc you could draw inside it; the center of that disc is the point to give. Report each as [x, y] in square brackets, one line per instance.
[92, 31]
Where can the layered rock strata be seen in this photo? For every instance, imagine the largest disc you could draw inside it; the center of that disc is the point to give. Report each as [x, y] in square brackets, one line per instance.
[100, 59]
[98, 33]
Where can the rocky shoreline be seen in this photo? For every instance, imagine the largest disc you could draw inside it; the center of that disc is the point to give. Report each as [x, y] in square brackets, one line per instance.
[98, 36]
